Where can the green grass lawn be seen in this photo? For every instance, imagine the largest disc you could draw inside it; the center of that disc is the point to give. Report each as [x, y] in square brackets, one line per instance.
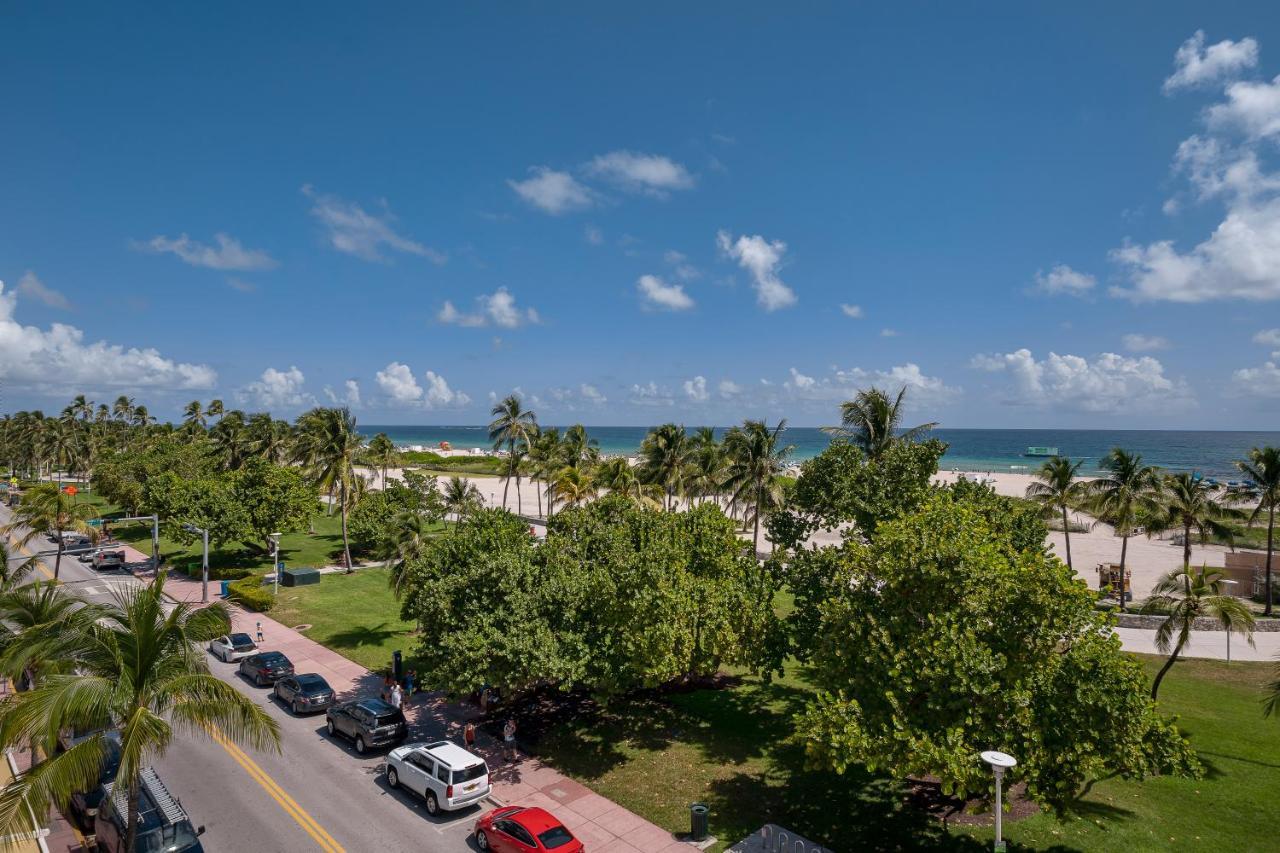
[355, 615]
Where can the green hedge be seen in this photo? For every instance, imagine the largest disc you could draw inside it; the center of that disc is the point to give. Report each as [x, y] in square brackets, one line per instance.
[252, 593]
[216, 573]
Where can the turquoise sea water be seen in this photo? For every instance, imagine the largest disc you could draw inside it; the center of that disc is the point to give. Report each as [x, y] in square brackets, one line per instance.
[1209, 452]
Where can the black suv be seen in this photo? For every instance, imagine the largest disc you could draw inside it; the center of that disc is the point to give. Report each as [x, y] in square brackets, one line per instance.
[369, 722]
[266, 668]
[85, 804]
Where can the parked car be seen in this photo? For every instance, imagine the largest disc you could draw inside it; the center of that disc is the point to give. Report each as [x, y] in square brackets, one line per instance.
[233, 647]
[306, 692]
[266, 668]
[108, 560]
[163, 824]
[516, 829]
[370, 723]
[85, 804]
[442, 773]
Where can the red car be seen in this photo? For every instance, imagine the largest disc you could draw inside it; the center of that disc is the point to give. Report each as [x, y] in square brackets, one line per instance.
[516, 829]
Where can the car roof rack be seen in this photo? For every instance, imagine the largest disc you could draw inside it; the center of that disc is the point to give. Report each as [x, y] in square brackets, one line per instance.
[152, 796]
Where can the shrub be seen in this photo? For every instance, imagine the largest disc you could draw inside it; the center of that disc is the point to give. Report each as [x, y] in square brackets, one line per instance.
[251, 593]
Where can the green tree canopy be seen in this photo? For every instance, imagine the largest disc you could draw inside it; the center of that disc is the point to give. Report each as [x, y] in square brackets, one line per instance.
[941, 639]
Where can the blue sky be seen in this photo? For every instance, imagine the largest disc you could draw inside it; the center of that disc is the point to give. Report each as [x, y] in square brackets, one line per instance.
[1030, 216]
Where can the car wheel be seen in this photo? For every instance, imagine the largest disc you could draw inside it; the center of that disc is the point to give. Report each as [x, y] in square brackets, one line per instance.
[297, 709]
[433, 805]
[393, 778]
[360, 747]
[333, 730]
[258, 680]
[482, 840]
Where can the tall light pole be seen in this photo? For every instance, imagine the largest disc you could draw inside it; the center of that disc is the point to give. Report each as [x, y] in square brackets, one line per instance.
[275, 560]
[204, 568]
[999, 763]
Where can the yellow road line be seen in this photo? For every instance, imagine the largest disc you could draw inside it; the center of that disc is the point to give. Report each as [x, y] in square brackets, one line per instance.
[290, 806]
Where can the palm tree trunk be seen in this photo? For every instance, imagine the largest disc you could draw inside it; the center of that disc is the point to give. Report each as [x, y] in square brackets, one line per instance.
[1155, 685]
[131, 831]
[505, 486]
[57, 561]
[1066, 536]
[346, 546]
[755, 539]
[537, 491]
[519, 503]
[1186, 546]
[1124, 548]
[1271, 526]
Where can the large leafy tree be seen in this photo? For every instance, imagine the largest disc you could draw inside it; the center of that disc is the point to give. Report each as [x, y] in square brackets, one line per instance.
[273, 498]
[513, 427]
[1126, 495]
[47, 510]
[872, 421]
[208, 502]
[1058, 489]
[942, 639]
[1185, 595]
[328, 441]
[139, 670]
[756, 459]
[1263, 467]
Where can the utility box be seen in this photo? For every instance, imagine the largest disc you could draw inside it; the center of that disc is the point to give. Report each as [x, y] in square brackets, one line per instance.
[299, 577]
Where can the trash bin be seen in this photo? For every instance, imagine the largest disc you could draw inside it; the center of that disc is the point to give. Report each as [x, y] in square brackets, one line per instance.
[397, 666]
[226, 588]
[698, 822]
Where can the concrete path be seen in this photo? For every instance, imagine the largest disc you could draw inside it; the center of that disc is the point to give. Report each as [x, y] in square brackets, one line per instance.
[1208, 644]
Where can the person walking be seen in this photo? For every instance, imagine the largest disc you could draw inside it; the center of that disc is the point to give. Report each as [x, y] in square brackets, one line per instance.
[408, 684]
[397, 696]
[259, 628]
[509, 739]
[469, 735]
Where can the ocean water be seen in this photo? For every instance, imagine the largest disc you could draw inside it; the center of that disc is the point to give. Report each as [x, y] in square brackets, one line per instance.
[1211, 453]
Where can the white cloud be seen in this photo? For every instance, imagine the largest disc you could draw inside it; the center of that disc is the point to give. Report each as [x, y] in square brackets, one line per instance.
[353, 230]
[227, 255]
[696, 389]
[593, 235]
[553, 192]
[799, 380]
[728, 388]
[656, 293]
[1109, 383]
[1261, 381]
[498, 308]
[277, 389]
[1268, 338]
[684, 270]
[921, 389]
[241, 285]
[1063, 280]
[397, 381]
[888, 333]
[854, 311]
[592, 394]
[762, 259]
[58, 359]
[1197, 65]
[1253, 108]
[1137, 342]
[31, 285]
[440, 394]
[651, 395]
[1216, 168]
[349, 397]
[650, 174]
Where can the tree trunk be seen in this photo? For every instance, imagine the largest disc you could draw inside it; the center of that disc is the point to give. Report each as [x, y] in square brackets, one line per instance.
[755, 539]
[538, 492]
[519, 503]
[1271, 526]
[131, 821]
[57, 561]
[346, 547]
[1186, 546]
[1155, 685]
[1124, 548]
[1066, 536]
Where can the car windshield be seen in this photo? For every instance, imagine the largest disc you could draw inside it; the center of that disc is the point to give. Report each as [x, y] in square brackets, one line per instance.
[274, 659]
[177, 836]
[312, 684]
[556, 836]
[241, 641]
[475, 771]
[388, 718]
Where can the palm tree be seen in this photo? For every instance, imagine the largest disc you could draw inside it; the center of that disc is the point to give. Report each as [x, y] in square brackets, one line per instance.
[1263, 468]
[47, 510]
[574, 486]
[122, 408]
[619, 476]
[664, 454]
[1058, 490]
[328, 442]
[513, 425]
[231, 440]
[12, 570]
[755, 462]
[1187, 594]
[545, 456]
[138, 670]
[1128, 493]
[214, 409]
[265, 438]
[382, 452]
[461, 497]
[873, 421]
[194, 416]
[411, 530]
[1272, 703]
[1190, 504]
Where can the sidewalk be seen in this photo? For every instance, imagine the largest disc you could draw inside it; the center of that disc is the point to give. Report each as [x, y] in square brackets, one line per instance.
[602, 825]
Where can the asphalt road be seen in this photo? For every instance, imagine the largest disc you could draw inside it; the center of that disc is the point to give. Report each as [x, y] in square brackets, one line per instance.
[316, 794]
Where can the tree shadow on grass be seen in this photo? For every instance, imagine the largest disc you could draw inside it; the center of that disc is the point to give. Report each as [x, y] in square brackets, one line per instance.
[362, 635]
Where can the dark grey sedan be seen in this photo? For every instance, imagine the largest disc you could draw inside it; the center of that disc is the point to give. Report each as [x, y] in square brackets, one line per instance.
[266, 668]
[306, 692]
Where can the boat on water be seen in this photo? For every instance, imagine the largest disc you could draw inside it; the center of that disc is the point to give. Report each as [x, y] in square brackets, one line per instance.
[1041, 451]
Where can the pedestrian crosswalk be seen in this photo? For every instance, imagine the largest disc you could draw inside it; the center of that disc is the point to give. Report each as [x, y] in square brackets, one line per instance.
[103, 587]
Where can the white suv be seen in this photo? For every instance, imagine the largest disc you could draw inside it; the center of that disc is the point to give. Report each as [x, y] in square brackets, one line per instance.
[443, 773]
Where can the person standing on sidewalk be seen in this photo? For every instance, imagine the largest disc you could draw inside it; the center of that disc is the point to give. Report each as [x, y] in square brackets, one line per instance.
[509, 739]
[259, 630]
[397, 696]
[469, 735]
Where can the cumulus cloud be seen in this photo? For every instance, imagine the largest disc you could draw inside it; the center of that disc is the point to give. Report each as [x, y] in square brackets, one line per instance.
[552, 192]
[762, 259]
[888, 333]
[696, 389]
[921, 388]
[853, 311]
[228, 254]
[349, 396]
[1197, 65]
[352, 230]
[31, 285]
[684, 270]
[592, 394]
[1137, 342]
[277, 389]
[1252, 108]
[1261, 381]
[571, 399]
[58, 358]
[651, 174]
[728, 388]
[397, 382]
[1109, 383]
[1063, 280]
[498, 308]
[1268, 337]
[650, 394]
[656, 293]
[440, 394]
[799, 380]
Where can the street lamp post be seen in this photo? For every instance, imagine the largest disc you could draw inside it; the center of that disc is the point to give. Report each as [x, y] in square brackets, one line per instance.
[204, 566]
[999, 762]
[275, 560]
